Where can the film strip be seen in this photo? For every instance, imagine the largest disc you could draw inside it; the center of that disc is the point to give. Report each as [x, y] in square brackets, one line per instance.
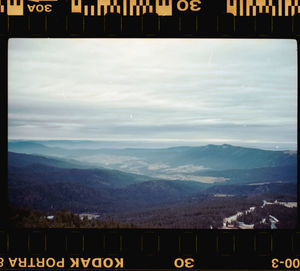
[251, 8]
[136, 8]
[196, 17]
[138, 249]
[161, 8]
[261, 250]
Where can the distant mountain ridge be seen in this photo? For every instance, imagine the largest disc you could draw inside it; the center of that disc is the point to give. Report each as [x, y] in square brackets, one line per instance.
[220, 157]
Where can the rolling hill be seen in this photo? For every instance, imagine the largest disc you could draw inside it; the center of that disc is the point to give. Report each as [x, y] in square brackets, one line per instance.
[45, 183]
[38, 184]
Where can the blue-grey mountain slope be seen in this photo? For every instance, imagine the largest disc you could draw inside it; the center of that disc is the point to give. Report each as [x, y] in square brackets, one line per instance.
[52, 184]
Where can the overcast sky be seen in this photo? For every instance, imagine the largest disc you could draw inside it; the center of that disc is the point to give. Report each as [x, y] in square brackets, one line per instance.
[192, 91]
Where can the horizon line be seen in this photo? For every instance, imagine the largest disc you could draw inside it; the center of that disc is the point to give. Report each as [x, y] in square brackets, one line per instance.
[258, 145]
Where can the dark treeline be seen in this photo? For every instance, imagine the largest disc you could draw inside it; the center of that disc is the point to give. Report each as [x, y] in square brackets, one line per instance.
[197, 214]
[29, 218]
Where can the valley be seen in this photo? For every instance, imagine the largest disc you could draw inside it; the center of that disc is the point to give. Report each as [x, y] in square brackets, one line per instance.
[212, 186]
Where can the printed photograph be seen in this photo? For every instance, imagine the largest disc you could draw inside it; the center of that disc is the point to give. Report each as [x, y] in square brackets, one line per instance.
[152, 133]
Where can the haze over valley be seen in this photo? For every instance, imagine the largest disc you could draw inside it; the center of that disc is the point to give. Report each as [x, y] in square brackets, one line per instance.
[141, 186]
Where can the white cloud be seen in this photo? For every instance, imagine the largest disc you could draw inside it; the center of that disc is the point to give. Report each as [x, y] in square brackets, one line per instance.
[110, 88]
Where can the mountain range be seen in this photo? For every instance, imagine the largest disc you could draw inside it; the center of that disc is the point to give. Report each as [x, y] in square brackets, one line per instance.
[111, 182]
[218, 157]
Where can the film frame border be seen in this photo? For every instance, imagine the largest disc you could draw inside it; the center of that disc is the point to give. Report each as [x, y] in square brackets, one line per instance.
[230, 249]
[232, 18]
